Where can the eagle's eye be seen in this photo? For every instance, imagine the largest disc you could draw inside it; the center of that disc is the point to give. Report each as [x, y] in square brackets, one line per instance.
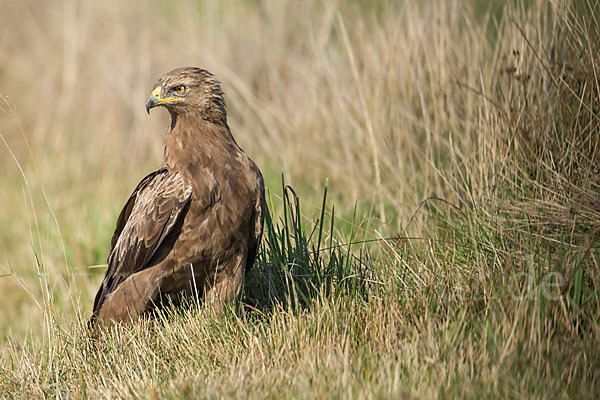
[180, 89]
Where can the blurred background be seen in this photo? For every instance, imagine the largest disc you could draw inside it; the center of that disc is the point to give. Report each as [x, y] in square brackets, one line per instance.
[315, 90]
[391, 101]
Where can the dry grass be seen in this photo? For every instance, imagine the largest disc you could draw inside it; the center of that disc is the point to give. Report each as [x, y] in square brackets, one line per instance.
[497, 112]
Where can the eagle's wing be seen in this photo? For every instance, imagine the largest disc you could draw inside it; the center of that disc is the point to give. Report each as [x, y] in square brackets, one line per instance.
[145, 227]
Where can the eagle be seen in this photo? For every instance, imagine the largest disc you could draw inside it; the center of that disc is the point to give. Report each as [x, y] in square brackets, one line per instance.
[192, 228]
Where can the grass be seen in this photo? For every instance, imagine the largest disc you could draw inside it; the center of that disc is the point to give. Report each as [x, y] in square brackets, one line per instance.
[436, 233]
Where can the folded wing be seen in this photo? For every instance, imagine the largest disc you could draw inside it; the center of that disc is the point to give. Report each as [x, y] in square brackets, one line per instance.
[146, 228]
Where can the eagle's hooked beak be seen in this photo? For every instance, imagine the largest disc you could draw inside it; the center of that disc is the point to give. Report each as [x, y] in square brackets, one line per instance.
[155, 100]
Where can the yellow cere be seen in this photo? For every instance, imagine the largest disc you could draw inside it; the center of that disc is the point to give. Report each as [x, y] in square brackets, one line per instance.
[156, 93]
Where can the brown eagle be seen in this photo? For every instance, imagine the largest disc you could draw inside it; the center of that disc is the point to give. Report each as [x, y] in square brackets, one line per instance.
[193, 226]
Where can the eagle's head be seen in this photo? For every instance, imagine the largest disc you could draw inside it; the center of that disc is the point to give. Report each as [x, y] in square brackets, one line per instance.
[189, 90]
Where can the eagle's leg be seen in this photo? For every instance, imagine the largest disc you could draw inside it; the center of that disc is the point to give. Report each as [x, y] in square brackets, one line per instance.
[226, 284]
[133, 297]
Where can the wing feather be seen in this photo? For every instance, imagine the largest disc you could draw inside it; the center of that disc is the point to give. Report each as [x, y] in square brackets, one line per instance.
[154, 208]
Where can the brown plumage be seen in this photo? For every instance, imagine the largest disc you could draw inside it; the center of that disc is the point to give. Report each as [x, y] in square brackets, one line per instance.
[194, 225]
